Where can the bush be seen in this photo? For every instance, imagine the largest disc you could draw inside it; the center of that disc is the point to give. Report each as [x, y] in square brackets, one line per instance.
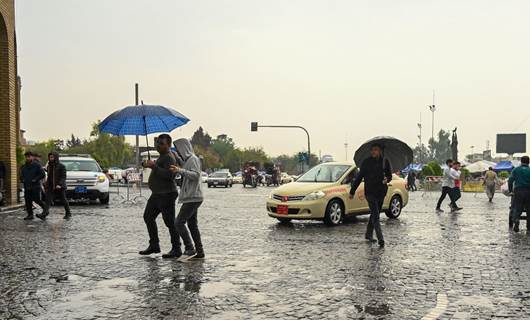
[427, 171]
[504, 174]
[436, 169]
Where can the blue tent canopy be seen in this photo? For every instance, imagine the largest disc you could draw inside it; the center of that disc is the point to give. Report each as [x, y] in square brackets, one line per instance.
[504, 166]
[413, 166]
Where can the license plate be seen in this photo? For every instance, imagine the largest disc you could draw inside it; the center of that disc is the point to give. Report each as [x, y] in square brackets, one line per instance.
[216, 183]
[282, 209]
[80, 189]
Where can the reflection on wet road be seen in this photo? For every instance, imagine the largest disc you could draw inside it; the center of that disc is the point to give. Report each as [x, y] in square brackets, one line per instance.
[88, 268]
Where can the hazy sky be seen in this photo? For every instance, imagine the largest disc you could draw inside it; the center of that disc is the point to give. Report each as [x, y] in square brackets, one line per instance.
[347, 70]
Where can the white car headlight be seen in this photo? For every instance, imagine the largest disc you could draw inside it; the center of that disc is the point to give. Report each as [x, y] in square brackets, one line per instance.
[102, 178]
[314, 196]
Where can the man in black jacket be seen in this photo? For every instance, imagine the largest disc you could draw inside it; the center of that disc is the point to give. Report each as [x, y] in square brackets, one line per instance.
[31, 175]
[376, 176]
[55, 185]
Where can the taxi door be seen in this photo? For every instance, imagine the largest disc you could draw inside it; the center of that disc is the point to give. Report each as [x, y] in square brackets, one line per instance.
[358, 203]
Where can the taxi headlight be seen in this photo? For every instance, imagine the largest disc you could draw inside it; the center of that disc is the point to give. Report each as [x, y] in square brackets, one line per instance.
[101, 179]
[314, 196]
[271, 195]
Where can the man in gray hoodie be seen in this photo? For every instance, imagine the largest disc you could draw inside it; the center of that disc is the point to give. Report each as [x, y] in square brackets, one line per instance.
[191, 198]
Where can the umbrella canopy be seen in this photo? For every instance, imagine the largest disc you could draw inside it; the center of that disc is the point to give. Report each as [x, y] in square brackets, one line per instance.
[142, 120]
[504, 166]
[397, 152]
[480, 166]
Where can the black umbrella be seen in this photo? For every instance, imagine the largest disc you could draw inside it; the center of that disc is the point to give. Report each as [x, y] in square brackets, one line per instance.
[397, 152]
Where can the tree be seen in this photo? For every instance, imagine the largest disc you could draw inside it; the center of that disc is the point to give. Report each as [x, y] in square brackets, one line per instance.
[73, 142]
[201, 139]
[440, 148]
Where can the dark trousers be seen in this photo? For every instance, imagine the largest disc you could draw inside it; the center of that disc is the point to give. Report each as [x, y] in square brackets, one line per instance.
[61, 194]
[521, 202]
[375, 202]
[446, 191]
[457, 194]
[188, 215]
[161, 203]
[30, 196]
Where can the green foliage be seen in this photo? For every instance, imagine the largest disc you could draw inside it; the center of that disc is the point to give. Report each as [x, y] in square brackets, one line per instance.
[465, 172]
[436, 168]
[427, 171]
[438, 149]
[504, 174]
[20, 156]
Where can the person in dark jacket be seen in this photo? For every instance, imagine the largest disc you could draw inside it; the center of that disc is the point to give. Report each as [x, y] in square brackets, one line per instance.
[55, 185]
[162, 200]
[31, 175]
[376, 173]
[519, 185]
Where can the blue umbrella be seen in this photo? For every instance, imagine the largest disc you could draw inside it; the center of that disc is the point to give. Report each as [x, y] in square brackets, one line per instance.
[142, 120]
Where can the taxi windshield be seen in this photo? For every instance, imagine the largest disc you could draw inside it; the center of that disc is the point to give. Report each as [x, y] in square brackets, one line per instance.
[324, 173]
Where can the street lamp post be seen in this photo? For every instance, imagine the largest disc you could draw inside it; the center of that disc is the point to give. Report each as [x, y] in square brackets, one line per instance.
[254, 127]
[433, 109]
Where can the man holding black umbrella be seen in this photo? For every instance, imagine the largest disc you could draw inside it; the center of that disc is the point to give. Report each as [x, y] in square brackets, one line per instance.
[376, 173]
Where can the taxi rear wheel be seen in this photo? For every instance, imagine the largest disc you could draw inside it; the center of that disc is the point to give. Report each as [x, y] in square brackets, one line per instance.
[395, 207]
[334, 213]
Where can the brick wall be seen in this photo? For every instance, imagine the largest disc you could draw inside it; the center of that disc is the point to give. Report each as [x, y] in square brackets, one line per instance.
[8, 96]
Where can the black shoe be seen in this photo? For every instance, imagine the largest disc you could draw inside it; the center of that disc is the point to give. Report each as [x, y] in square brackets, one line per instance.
[439, 210]
[29, 217]
[381, 243]
[516, 227]
[67, 216]
[188, 254]
[199, 255]
[150, 250]
[41, 216]
[174, 253]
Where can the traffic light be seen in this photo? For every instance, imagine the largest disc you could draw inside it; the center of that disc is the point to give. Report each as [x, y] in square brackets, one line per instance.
[253, 126]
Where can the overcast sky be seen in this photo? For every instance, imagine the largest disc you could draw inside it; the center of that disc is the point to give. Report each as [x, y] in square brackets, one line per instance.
[346, 70]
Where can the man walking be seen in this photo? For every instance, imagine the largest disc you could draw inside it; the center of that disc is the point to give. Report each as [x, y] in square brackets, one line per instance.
[376, 174]
[457, 191]
[519, 185]
[162, 199]
[55, 185]
[490, 183]
[31, 175]
[191, 198]
[448, 183]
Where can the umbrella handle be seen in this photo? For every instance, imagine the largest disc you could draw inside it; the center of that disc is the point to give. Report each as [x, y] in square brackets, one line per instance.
[146, 138]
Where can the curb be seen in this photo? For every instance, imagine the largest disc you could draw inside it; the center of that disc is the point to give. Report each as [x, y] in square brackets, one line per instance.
[11, 208]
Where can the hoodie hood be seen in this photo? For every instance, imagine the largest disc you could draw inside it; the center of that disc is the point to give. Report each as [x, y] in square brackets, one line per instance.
[55, 155]
[184, 148]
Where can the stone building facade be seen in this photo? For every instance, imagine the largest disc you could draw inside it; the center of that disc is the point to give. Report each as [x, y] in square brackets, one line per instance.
[9, 98]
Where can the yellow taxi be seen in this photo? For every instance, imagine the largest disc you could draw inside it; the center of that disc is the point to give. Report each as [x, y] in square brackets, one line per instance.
[322, 193]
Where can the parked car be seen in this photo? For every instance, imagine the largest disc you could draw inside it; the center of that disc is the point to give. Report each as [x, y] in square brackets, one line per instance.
[237, 179]
[322, 193]
[285, 178]
[115, 174]
[85, 179]
[220, 178]
[204, 177]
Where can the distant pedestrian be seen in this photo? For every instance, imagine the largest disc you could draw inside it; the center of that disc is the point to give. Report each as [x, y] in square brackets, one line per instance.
[457, 189]
[519, 185]
[411, 181]
[490, 183]
[448, 183]
[31, 175]
[55, 185]
[162, 200]
[376, 173]
[191, 198]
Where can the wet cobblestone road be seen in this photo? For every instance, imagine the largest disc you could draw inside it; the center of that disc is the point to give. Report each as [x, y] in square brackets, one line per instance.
[462, 266]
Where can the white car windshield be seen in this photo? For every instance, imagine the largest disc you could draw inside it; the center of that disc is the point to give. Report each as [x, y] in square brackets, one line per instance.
[220, 175]
[324, 173]
[81, 165]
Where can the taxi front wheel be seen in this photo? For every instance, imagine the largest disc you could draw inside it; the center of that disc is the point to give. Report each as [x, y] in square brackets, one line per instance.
[395, 207]
[334, 213]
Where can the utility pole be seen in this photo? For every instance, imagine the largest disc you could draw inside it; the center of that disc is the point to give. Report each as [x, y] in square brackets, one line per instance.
[433, 109]
[346, 150]
[137, 137]
[421, 144]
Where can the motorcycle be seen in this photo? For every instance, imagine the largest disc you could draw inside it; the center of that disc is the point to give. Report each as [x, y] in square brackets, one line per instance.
[250, 177]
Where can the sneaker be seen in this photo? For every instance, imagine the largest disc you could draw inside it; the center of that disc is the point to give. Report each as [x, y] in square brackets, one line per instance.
[188, 254]
[198, 256]
[29, 217]
[381, 243]
[67, 216]
[438, 210]
[41, 216]
[174, 253]
[150, 250]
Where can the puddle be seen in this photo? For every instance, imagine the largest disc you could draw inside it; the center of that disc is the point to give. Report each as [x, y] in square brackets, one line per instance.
[477, 301]
[106, 294]
[214, 289]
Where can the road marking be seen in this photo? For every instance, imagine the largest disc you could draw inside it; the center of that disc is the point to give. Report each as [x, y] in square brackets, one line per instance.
[441, 305]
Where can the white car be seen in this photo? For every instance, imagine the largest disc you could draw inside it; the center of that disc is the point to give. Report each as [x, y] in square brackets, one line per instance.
[115, 173]
[204, 177]
[220, 178]
[85, 179]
